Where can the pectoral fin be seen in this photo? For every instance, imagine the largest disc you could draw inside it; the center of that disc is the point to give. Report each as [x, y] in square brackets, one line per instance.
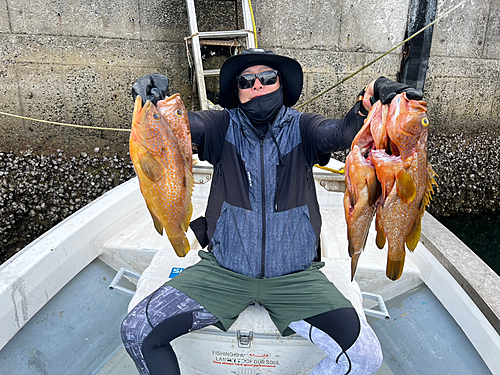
[405, 186]
[150, 166]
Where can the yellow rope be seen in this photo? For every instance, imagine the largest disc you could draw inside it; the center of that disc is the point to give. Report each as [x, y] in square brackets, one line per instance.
[63, 124]
[381, 56]
[341, 171]
[253, 23]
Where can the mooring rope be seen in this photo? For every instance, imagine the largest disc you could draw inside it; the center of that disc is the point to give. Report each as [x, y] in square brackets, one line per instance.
[383, 55]
[64, 124]
[462, 3]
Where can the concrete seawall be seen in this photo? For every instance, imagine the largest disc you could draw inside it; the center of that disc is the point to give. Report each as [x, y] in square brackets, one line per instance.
[76, 62]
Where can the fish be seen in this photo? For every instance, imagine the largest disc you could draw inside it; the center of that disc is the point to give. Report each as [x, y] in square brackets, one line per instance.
[163, 168]
[376, 120]
[169, 109]
[393, 143]
[360, 197]
[400, 215]
[362, 187]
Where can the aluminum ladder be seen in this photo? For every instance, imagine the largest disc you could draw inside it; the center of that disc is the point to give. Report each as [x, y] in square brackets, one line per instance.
[200, 72]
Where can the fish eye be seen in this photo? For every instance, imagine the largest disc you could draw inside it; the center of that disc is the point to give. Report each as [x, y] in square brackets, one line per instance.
[178, 112]
[156, 117]
[425, 121]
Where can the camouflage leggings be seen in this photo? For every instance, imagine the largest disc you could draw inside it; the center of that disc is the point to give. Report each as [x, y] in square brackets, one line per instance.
[168, 313]
[140, 338]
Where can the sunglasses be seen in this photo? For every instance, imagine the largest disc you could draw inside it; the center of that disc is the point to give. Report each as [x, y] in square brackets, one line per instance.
[246, 81]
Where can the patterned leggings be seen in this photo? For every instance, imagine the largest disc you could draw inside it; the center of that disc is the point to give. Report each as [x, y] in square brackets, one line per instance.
[166, 314]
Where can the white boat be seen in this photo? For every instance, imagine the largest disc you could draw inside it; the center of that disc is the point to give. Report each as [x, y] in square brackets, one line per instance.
[65, 295]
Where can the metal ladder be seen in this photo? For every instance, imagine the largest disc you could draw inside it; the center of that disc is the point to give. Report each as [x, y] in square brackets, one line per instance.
[200, 72]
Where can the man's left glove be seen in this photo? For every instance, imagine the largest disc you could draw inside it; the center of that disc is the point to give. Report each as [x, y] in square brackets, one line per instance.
[152, 87]
[385, 90]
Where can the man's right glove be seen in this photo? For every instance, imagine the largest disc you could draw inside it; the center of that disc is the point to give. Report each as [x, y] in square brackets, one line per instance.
[152, 87]
[385, 90]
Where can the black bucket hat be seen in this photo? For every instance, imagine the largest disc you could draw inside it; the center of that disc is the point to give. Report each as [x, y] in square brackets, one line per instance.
[290, 72]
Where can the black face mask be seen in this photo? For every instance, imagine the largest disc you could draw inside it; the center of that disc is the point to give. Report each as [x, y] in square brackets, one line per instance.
[263, 109]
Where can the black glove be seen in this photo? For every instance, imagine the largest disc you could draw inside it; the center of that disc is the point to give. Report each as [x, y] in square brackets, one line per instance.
[152, 87]
[385, 90]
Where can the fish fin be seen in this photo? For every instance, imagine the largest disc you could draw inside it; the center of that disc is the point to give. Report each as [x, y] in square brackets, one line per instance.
[405, 186]
[187, 218]
[354, 264]
[429, 190]
[351, 246]
[414, 236]
[150, 166]
[188, 184]
[180, 244]
[374, 192]
[395, 263]
[380, 240]
[157, 223]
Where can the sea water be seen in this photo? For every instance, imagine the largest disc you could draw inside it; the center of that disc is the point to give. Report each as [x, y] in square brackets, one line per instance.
[481, 233]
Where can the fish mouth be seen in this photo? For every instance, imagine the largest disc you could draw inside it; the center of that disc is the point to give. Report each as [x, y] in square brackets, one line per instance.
[171, 100]
[139, 119]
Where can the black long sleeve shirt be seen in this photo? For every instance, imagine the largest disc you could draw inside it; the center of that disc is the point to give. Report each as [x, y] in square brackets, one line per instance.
[319, 133]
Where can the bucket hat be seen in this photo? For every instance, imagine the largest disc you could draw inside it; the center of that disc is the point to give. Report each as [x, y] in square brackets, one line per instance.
[290, 73]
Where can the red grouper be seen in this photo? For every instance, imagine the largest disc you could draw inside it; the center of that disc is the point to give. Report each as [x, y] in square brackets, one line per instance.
[406, 178]
[164, 166]
[362, 187]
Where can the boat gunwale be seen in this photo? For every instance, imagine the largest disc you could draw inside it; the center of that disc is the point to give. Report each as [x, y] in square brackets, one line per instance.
[466, 268]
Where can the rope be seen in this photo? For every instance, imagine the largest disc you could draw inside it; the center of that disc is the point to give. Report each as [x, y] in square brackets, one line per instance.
[64, 124]
[341, 171]
[255, 36]
[383, 55]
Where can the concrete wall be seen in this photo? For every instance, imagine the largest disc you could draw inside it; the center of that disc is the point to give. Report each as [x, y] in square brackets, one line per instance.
[75, 61]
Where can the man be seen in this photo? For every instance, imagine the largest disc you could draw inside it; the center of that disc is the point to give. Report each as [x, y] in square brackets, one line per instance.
[262, 223]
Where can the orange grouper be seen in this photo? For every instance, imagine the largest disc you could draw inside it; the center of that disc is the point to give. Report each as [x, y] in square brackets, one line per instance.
[180, 126]
[362, 187]
[361, 194]
[393, 144]
[165, 173]
[399, 216]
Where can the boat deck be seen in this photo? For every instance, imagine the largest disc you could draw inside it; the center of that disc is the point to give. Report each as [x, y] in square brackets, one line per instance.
[423, 338]
[420, 337]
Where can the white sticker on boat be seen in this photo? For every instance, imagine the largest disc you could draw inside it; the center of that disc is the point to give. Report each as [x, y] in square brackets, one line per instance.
[253, 359]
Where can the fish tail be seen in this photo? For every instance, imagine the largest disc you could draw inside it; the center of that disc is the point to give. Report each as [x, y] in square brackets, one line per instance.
[180, 245]
[395, 262]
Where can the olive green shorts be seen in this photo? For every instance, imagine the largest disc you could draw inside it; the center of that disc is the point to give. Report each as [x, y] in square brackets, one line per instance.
[287, 298]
